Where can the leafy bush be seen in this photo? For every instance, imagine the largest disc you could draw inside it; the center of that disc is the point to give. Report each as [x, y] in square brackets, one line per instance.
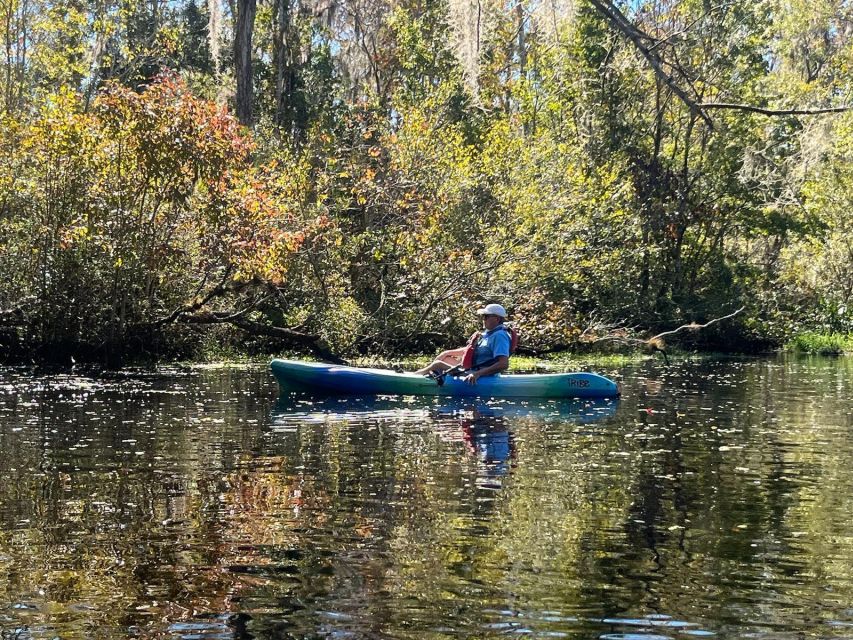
[119, 217]
[824, 344]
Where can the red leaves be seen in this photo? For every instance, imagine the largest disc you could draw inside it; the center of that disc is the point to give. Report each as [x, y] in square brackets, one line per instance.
[171, 131]
[154, 192]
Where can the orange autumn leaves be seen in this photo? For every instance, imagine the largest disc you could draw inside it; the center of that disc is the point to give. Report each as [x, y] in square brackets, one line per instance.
[161, 180]
[119, 213]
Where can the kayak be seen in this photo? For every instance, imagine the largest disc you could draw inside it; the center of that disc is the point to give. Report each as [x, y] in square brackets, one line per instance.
[293, 375]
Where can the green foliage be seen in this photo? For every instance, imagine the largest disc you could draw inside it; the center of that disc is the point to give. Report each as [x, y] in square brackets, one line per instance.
[423, 57]
[195, 40]
[823, 344]
[391, 184]
[118, 216]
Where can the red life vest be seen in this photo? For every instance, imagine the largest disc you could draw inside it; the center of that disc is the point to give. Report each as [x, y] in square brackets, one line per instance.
[471, 346]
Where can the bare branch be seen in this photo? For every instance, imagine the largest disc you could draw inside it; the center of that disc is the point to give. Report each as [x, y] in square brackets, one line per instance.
[237, 319]
[218, 290]
[774, 112]
[622, 335]
[648, 45]
[454, 285]
[193, 314]
[639, 38]
[693, 326]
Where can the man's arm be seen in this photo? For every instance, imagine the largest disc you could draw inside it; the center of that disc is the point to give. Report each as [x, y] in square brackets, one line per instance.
[501, 364]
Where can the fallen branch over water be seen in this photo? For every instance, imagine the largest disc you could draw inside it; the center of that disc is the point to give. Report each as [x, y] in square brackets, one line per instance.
[238, 319]
[599, 332]
[695, 327]
[656, 343]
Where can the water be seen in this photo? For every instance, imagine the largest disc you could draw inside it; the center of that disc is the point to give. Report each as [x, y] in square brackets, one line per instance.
[713, 500]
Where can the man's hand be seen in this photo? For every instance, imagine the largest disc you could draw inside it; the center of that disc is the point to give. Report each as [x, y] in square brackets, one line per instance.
[500, 365]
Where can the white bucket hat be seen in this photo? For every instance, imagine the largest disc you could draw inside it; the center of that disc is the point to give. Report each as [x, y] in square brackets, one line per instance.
[492, 310]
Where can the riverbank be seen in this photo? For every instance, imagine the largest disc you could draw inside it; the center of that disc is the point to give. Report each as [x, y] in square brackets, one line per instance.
[557, 362]
[229, 355]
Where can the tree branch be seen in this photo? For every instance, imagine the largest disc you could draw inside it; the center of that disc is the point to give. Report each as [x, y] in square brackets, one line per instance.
[693, 326]
[14, 316]
[621, 334]
[649, 51]
[453, 286]
[237, 319]
[773, 112]
[680, 32]
[618, 20]
[218, 290]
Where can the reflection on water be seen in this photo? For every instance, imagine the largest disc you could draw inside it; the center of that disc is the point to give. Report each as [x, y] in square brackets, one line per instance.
[713, 499]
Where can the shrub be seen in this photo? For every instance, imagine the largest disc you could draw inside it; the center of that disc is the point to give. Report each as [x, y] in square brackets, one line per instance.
[825, 344]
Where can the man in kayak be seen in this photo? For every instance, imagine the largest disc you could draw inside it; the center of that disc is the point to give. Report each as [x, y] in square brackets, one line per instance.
[487, 352]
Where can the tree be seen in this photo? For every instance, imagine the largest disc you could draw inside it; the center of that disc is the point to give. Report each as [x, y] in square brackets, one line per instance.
[679, 80]
[112, 258]
[244, 30]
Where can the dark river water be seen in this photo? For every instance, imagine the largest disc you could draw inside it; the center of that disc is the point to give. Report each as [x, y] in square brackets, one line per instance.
[714, 500]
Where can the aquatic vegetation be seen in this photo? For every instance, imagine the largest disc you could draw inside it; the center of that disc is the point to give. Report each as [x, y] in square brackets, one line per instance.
[825, 344]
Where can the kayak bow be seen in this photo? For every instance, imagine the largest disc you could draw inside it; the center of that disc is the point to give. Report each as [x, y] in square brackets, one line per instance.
[316, 377]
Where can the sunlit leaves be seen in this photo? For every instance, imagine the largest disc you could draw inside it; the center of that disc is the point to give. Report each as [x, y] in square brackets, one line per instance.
[392, 183]
[139, 206]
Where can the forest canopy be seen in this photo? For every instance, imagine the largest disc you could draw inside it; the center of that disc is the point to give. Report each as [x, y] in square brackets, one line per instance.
[356, 176]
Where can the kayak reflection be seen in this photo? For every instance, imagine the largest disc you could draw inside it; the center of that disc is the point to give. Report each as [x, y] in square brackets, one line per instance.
[484, 429]
[293, 410]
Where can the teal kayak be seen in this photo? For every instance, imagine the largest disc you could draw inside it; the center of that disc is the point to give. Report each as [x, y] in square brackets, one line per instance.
[316, 377]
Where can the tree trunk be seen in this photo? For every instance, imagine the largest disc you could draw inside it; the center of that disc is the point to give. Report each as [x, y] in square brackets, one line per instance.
[522, 45]
[214, 23]
[7, 39]
[246, 10]
[282, 61]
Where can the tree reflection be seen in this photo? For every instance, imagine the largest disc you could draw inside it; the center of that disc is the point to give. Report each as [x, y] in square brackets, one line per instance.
[135, 510]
